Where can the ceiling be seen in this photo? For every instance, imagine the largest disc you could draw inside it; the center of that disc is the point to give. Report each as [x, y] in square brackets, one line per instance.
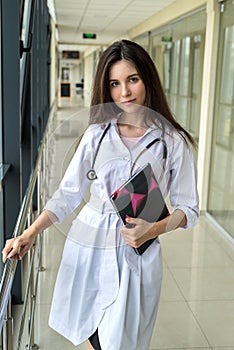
[108, 19]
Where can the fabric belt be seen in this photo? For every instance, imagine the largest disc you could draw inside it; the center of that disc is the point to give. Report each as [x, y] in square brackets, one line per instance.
[100, 205]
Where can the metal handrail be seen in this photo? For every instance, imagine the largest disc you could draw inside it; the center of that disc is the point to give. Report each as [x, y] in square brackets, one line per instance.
[11, 265]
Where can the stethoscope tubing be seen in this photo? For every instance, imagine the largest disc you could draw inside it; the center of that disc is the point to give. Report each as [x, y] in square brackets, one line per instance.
[91, 174]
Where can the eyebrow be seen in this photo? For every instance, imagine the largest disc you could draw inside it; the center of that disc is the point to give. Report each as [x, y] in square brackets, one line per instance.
[129, 76]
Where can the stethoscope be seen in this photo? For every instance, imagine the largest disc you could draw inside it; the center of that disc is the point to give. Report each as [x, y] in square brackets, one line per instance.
[91, 174]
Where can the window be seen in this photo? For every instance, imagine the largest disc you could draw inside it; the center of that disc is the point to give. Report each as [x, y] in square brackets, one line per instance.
[225, 123]
[221, 186]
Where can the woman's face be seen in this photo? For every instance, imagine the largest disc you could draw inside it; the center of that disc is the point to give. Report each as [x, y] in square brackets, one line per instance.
[126, 87]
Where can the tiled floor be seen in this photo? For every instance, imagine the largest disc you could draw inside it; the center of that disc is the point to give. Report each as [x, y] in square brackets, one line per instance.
[197, 302]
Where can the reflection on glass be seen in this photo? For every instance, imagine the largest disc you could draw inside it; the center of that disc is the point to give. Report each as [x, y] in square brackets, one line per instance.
[25, 22]
[182, 111]
[224, 127]
[181, 45]
[175, 66]
[194, 125]
[227, 84]
[196, 68]
[172, 102]
[24, 36]
[221, 186]
[166, 66]
[184, 91]
[185, 78]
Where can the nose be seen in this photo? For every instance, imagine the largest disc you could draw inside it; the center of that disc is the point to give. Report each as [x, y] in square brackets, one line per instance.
[125, 91]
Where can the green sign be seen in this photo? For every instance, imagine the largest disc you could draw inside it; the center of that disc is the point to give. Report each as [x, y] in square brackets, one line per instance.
[89, 36]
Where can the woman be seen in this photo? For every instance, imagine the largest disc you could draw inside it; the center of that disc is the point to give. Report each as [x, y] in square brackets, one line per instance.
[105, 292]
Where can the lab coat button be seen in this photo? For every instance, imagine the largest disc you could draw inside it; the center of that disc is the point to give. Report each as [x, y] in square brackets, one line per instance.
[123, 180]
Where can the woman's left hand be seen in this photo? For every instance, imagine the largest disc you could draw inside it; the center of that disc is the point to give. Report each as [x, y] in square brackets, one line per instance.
[137, 231]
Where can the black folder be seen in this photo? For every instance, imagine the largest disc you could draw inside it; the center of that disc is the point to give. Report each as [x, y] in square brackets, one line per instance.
[140, 197]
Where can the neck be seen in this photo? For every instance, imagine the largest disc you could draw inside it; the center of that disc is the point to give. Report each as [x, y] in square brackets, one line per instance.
[130, 130]
[132, 119]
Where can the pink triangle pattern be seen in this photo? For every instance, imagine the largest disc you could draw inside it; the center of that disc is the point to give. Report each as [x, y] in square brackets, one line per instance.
[136, 200]
[153, 185]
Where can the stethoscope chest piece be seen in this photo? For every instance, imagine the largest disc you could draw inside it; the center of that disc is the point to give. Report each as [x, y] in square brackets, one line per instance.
[91, 174]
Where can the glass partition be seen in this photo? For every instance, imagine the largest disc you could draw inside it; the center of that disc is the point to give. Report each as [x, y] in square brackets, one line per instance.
[1, 157]
[181, 45]
[221, 186]
[25, 21]
[25, 29]
[197, 62]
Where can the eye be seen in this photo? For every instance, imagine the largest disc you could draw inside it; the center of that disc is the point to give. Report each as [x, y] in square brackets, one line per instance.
[114, 84]
[134, 79]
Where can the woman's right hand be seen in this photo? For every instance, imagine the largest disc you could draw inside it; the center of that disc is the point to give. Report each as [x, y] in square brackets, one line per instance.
[16, 248]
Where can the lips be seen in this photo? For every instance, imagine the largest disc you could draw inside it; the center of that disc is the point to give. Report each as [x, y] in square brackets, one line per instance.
[128, 102]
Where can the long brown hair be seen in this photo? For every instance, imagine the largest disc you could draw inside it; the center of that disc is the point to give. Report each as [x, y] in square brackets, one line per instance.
[155, 96]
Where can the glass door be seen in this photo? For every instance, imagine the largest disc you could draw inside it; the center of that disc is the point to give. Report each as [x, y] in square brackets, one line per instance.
[221, 186]
[182, 68]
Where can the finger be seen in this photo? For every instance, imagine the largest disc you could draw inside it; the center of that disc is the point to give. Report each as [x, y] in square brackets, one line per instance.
[13, 248]
[8, 245]
[125, 235]
[23, 251]
[7, 254]
[13, 253]
[4, 255]
[6, 251]
[131, 220]
[129, 225]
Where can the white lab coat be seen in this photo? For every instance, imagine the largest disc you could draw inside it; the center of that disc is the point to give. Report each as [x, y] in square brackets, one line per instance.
[102, 283]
